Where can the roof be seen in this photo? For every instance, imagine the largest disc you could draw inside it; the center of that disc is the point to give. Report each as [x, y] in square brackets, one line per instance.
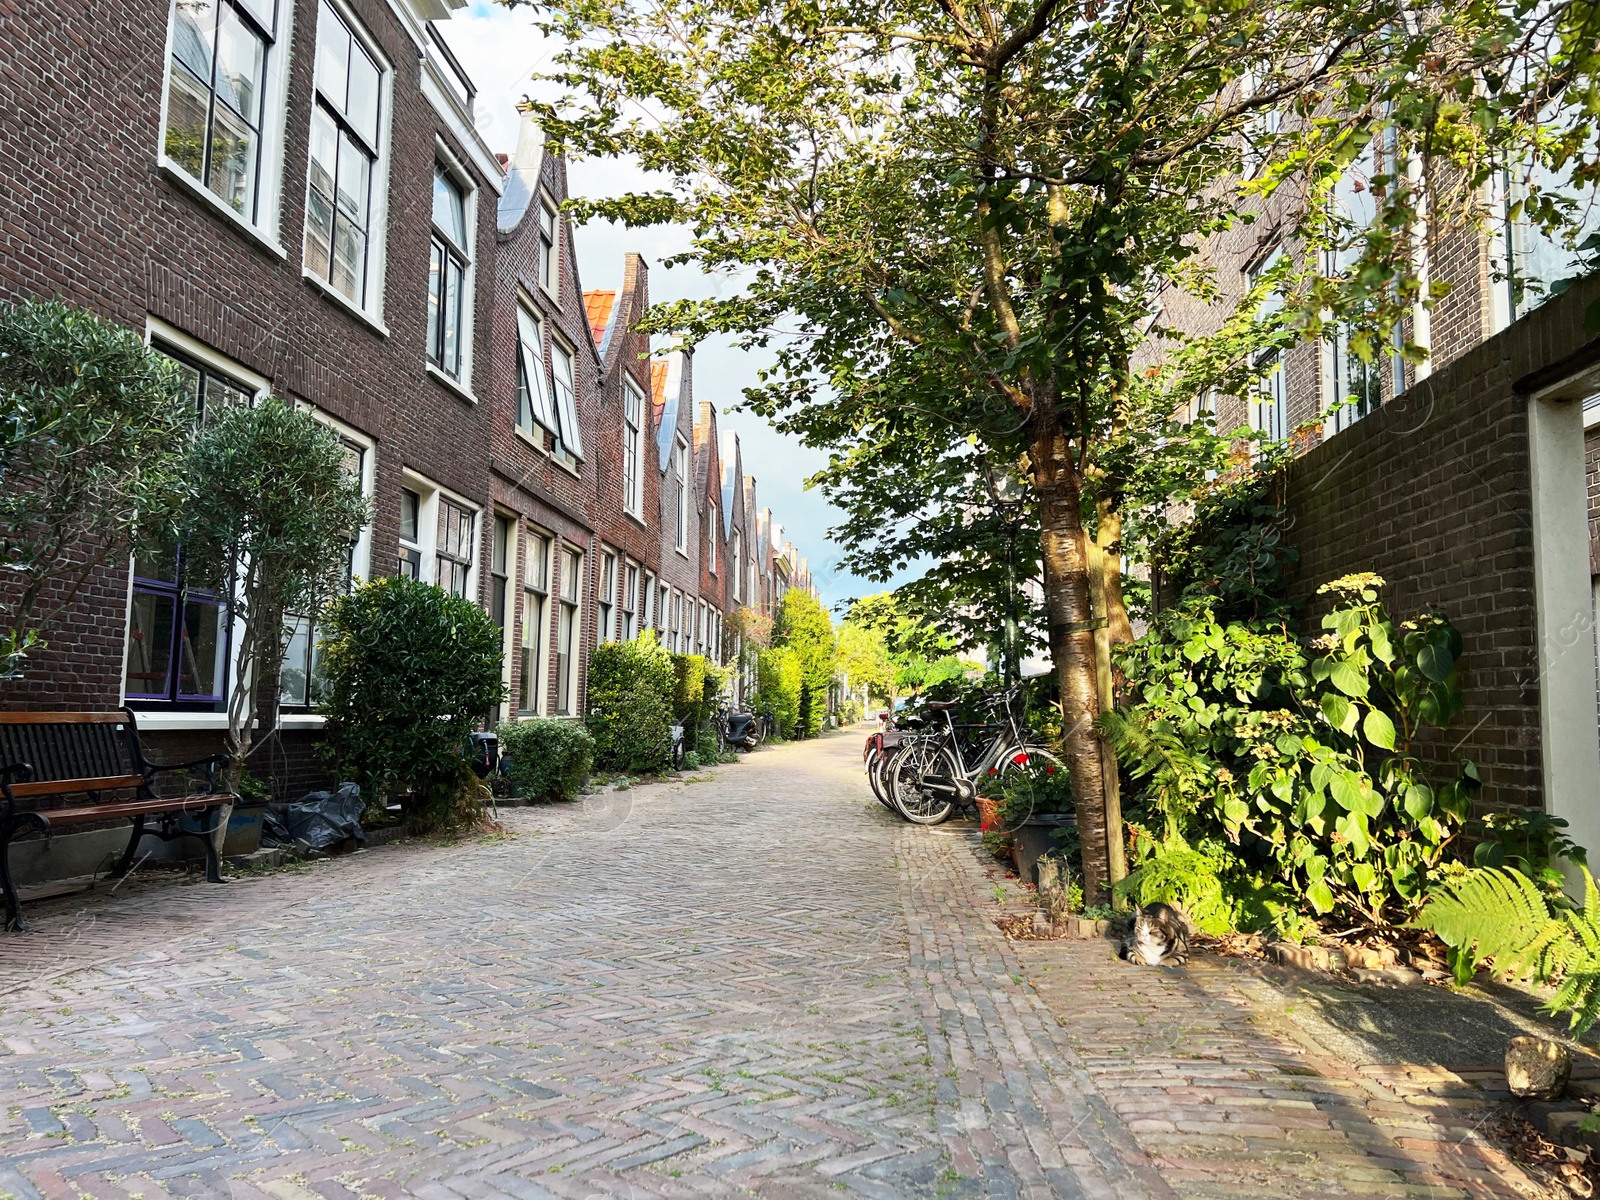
[658, 388]
[599, 306]
[522, 175]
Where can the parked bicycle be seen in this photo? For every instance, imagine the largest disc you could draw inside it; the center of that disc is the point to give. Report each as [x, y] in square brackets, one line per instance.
[935, 771]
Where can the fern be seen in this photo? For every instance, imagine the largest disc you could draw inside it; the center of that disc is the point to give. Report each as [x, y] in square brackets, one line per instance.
[1499, 915]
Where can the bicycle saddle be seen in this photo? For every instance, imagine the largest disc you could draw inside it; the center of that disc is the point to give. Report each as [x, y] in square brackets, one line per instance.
[941, 705]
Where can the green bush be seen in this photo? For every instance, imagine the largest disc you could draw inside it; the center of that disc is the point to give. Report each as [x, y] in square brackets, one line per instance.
[778, 687]
[548, 759]
[410, 670]
[689, 691]
[1300, 758]
[631, 687]
[804, 628]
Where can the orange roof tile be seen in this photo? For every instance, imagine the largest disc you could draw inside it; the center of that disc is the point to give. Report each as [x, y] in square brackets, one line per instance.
[598, 307]
[658, 386]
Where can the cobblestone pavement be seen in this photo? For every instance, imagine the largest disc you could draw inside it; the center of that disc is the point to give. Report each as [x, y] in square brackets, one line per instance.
[753, 983]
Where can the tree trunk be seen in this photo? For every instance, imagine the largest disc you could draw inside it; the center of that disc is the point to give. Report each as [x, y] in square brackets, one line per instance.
[1100, 567]
[1066, 586]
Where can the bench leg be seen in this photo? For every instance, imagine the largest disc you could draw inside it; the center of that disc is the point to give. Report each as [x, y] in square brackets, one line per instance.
[126, 864]
[212, 841]
[9, 830]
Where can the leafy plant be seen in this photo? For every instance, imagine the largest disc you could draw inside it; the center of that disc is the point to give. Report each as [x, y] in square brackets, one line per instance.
[689, 703]
[410, 671]
[93, 428]
[778, 683]
[1181, 876]
[547, 760]
[1498, 916]
[1532, 841]
[631, 688]
[1302, 757]
[1032, 791]
[267, 525]
[804, 628]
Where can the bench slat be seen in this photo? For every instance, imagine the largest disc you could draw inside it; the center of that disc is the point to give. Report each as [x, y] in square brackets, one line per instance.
[133, 808]
[63, 718]
[69, 787]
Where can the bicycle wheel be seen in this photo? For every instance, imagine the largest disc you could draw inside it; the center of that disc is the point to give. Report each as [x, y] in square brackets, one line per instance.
[916, 768]
[876, 762]
[1028, 758]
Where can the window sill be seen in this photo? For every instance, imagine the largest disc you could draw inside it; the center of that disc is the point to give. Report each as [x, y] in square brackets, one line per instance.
[566, 466]
[301, 720]
[184, 180]
[636, 518]
[344, 302]
[454, 385]
[536, 443]
[148, 720]
[683, 553]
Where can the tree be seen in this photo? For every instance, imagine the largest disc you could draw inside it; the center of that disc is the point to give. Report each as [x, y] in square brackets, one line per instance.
[93, 426]
[410, 672]
[268, 525]
[804, 628]
[962, 210]
[864, 661]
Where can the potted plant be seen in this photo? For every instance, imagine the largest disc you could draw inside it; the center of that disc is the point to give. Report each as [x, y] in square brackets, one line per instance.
[1036, 803]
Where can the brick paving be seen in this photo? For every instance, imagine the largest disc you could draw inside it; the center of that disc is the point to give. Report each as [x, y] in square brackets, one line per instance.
[758, 983]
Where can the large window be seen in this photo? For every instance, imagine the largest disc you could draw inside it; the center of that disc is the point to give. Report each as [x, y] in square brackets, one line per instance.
[630, 601]
[607, 601]
[457, 527]
[449, 257]
[535, 621]
[177, 634]
[711, 536]
[567, 631]
[1269, 407]
[344, 160]
[680, 460]
[301, 680]
[569, 438]
[216, 85]
[549, 249]
[735, 565]
[533, 402]
[632, 440]
[410, 559]
[1355, 381]
[502, 556]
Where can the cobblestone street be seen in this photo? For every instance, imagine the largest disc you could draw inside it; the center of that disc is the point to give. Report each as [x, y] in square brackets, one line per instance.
[754, 982]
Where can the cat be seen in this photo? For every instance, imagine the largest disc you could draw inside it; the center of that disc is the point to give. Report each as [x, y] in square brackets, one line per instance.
[1160, 933]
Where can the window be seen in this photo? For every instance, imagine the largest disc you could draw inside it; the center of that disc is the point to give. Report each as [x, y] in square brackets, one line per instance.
[567, 631]
[711, 536]
[1269, 407]
[680, 459]
[1355, 382]
[648, 618]
[344, 160]
[455, 547]
[533, 404]
[549, 243]
[178, 635]
[735, 565]
[569, 439]
[502, 553]
[535, 621]
[410, 564]
[607, 602]
[301, 680]
[675, 620]
[632, 439]
[661, 609]
[216, 95]
[1260, 128]
[449, 304]
[630, 598]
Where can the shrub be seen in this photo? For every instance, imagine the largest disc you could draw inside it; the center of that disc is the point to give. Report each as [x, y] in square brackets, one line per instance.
[1301, 758]
[630, 704]
[804, 627]
[93, 425]
[548, 760]
[689, 691]
[778, 687]
[410, 671]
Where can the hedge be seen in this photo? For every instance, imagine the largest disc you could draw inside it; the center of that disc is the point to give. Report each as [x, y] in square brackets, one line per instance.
[630, 703]
[545, 759]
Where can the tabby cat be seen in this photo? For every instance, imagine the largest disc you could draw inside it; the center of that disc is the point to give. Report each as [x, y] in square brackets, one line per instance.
[1160, 934]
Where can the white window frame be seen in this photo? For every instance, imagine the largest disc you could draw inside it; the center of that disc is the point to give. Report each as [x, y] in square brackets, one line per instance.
[428, 528]
[711, 536]
[736, 566]
[569, 437]
[371, 310]
[550, 251]
[680, 465]
[606, 595]
[531, 371]
[630, 600]
[574, 675]
[509, 587]
[539, 624]
[264, 224]
[460, 176]
[633, 449]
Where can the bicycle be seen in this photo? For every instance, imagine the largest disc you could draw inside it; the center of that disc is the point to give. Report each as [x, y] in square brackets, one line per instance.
[931, 774]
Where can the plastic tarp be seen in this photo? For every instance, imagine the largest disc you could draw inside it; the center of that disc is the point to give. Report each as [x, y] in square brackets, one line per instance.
[317, 819]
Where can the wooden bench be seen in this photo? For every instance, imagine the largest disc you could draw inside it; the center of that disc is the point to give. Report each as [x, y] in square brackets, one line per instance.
[89, 767]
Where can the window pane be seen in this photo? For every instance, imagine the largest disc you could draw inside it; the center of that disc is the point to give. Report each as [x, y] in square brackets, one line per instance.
[187, 101]
[537, 569]
[435, 294]
[295, 686]
[333, 56]
[194, 35]
[264, 11]
[450, 356]
[364, 91]
[355, 175]
[150, 622]
[410, 509]
[449, 215]
[565, 621]
[349, 259]
[531, 335]
[571, 567]
[532, 650]
[319, 195]
[199, 664]
[566, 410]
[233, 161]
[241, 55]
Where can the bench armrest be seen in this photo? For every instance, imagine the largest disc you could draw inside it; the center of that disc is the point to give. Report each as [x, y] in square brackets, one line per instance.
[17, 772]
[205, 767]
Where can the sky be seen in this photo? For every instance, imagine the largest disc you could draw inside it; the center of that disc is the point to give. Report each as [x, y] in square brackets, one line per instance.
[502, 51]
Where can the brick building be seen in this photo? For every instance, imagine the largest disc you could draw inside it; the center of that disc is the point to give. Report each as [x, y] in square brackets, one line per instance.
[1468, 481]
[293, 199]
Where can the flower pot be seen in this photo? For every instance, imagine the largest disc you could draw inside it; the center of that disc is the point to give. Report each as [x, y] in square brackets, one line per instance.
[988, 814]
[1036, 837]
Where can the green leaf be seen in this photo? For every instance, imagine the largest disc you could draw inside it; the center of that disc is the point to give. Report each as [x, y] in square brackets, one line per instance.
[1434, 661]
[1345, 676]
[1418, 801]
[1321, 897]
[1345, 787]
[1378, 729]
[1340, 712]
